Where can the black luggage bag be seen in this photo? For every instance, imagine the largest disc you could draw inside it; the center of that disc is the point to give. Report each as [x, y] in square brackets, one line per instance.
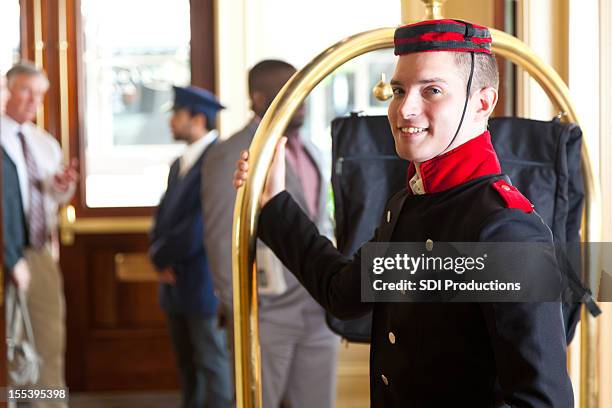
[541, 158]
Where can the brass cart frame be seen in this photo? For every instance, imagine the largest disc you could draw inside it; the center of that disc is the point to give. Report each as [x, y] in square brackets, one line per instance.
[271, 128]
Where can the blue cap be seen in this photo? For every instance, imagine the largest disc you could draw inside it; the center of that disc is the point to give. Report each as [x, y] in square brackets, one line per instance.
[197, 100]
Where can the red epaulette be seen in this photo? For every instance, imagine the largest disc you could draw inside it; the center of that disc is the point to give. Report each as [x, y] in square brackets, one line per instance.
[512, 197]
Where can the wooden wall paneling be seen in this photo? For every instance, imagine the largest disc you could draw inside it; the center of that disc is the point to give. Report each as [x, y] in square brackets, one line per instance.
[118, 331]
[72, 28]
[117, 303]
[26, 30]
[76, 85]
[74, 267]
[104, 313]
[139, 305]
[51, 66]
[131, 361]
[203, 44]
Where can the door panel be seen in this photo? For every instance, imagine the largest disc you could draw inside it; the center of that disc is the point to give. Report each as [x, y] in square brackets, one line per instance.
[117, 336]
[116, 332]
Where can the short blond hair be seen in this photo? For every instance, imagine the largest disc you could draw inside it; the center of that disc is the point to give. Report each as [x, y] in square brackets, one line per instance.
[486, 73]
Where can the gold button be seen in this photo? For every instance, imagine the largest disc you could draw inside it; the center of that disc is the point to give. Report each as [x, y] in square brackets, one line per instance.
[429, 244]
[388, 216]
[392, 337]
[384, 379]
[507, 188]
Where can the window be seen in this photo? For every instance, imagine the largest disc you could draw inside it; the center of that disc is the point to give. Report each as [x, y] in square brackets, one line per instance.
[9, 32]
[130, 63]
[347, 89]
[261, 34]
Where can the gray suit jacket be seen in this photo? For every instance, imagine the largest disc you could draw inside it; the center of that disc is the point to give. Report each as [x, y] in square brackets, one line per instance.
[218, 199]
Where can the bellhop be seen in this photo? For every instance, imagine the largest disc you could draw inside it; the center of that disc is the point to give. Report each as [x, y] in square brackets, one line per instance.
[480, 354]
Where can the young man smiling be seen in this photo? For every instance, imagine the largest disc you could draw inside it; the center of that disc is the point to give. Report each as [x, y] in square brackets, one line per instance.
[424, 113]
[437, 354]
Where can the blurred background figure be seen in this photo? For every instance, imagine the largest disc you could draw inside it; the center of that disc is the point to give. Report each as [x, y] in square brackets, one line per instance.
[44, 183]
[177, 251]
[13, 218]
[298, 351]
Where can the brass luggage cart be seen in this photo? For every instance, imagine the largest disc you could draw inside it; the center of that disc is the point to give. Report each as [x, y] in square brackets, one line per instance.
[271, 128]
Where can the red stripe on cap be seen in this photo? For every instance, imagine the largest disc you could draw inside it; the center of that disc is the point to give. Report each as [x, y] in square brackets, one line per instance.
[427, 37]
[431, 37]
[478, 40]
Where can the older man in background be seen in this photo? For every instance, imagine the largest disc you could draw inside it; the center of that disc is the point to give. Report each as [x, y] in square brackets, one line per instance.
[13, 219]
[44, 184]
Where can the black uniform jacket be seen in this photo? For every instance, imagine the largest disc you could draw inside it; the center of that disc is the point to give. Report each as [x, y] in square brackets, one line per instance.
[440, 354]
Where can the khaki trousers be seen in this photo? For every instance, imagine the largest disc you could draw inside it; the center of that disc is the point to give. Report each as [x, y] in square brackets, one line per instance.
[48, 315]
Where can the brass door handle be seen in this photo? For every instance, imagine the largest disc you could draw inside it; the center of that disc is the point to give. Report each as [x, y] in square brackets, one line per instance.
[70, 225]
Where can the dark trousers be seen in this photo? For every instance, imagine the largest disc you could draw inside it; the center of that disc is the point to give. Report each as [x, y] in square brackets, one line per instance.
[202, 359]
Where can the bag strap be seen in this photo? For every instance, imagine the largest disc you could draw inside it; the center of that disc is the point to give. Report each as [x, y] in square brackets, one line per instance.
[12, 311]
[25, 315]
[18, 314]
[576, 286]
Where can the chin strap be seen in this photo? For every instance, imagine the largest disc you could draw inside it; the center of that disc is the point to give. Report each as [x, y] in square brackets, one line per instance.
[467, 97]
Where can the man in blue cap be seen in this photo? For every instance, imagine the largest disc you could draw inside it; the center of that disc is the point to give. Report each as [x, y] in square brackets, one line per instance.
[177, 251]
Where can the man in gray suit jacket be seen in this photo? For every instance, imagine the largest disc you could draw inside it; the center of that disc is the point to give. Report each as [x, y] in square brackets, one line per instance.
[298, 351]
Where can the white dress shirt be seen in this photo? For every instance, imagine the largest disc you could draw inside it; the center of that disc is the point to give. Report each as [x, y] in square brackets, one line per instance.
[194, 151]
[416, 183]
[47, 154]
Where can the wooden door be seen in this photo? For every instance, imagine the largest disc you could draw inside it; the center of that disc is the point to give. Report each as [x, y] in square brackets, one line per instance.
[116, 332]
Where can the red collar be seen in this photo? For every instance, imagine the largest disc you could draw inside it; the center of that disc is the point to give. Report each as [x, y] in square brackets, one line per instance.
[475, 158]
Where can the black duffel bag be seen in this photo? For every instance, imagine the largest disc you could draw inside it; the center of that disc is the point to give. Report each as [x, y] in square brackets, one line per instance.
[541, 158]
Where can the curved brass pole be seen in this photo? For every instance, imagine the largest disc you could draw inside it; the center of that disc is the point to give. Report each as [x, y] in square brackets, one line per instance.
[433, 9]
[271, 128]
[518, 52]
